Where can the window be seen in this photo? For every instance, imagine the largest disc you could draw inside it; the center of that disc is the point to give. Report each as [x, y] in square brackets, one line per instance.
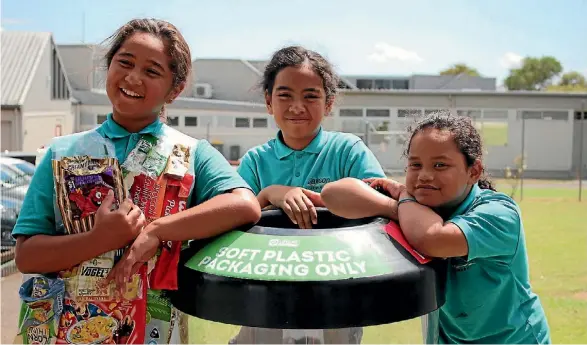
[191, 121]
[408, 112]
[383, 84]
[378, 112]
[101, 118]
[351, 112]
[401, 84]
[364, 83]
[173, 121]
[555, 115]
[432, 111]
[578, 115]
[242, 122]
[495, 114]
[259, 123]
[543, 115]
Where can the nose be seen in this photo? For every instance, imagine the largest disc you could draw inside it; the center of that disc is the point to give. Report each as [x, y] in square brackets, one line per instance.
[426, 175]
[133, 78]
[297, 108]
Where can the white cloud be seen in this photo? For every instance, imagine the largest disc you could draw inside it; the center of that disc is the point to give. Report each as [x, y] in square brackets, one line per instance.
[510, 60]
[385, 52]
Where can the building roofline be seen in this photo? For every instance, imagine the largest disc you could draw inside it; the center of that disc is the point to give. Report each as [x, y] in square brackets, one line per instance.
[465, 93]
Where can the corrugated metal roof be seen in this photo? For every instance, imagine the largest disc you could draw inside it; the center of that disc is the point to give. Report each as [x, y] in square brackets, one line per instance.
[20, 55]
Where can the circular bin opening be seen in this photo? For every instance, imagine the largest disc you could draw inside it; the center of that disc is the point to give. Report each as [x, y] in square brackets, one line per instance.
[344, 273]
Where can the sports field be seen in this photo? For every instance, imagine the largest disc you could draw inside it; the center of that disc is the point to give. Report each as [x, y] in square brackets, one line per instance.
[556, 236]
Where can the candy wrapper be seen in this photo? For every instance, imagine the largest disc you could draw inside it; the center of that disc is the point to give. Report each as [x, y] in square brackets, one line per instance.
[85, 282]
[164, 274]
[82, 183]
[178, 162]
[104, 322]
[41, 309]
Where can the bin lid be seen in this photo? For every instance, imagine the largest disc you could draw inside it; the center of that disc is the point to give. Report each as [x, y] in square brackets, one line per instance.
[343, 273]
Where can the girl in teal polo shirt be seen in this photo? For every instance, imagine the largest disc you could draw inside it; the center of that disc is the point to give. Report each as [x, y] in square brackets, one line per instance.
[289, 171]
[449, 209]
[148, 65]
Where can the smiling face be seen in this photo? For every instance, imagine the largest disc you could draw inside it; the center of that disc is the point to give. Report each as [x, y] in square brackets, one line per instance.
[139, 78]
[298, 103]
[437, 174]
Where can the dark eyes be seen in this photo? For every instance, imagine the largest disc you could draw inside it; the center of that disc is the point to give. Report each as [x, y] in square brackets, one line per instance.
[436, 165]
[287, 95]
[128, 64]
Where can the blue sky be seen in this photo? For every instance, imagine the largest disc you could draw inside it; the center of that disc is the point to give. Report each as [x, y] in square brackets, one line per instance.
[386, 37]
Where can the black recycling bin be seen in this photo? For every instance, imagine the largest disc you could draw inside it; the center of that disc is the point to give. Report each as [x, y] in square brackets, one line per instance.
[343, 274]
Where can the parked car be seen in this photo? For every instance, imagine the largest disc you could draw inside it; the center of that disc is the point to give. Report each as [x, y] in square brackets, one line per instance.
[9, 210]
[19, 165]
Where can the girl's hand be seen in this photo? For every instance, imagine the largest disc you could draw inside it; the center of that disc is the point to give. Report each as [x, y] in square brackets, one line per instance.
[118, 227]
[298, 203]
[394, 188]
[142, 250]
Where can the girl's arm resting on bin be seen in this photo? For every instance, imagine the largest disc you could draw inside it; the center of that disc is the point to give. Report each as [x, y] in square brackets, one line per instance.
[213, 217]
[46, 253]
[352, 198]
[428, 234]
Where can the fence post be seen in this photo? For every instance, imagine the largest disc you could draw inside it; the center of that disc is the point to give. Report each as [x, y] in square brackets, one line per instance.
[523, 157]
[582, 120]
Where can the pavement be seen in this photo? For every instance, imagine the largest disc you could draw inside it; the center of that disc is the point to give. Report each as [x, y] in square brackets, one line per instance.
[10, 306]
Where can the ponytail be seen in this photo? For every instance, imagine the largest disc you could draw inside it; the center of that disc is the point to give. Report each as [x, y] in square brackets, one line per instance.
[486, 183]
[163, 114]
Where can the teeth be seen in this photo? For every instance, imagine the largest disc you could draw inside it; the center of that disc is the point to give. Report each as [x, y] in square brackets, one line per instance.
[130, 93]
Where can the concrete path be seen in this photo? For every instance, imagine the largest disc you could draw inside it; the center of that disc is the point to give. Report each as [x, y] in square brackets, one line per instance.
[10, 306]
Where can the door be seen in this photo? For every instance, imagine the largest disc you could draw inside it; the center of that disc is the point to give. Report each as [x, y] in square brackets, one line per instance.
[7, 136]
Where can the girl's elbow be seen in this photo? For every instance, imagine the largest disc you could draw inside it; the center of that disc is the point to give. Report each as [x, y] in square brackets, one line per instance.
[250, 209]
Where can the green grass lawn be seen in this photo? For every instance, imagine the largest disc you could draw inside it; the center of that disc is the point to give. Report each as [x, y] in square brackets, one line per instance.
[556, 237]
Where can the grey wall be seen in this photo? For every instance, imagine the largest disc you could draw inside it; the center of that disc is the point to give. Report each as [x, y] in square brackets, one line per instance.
[449, 82]
[231, 79]
[577, 146]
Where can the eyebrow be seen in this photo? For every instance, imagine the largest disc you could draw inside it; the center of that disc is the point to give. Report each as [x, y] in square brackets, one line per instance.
[285, 88]
[150, 60]
[435, 157]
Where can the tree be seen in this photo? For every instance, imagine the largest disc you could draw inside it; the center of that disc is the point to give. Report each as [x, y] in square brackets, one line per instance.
[569, 82]
[460, 68]
[534, 74]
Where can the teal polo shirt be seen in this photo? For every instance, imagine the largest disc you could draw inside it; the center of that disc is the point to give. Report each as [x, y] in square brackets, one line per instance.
[213, 176]
[330, 156]
[489, 298]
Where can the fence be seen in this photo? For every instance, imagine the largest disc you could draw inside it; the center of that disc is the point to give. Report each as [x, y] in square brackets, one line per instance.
[13, 189]
[519, 145]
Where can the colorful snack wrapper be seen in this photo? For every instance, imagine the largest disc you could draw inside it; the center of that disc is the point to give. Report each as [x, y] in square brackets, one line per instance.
[160, 319]
[41, 309]
[104, 322]
[85, 282]
[82, 183]
[177, 164]
[138, 155]
[164, 274]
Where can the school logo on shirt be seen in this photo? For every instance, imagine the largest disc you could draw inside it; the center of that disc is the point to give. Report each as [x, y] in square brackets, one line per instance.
[316, 184]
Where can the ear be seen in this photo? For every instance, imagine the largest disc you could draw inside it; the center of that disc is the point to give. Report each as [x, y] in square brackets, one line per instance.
[475, 171]
[329, 106]
[175, 92]
[268, 103]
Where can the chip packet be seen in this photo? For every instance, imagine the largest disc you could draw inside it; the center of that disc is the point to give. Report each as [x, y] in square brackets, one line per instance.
[41, 309]
[81, 184]
[116, 321]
